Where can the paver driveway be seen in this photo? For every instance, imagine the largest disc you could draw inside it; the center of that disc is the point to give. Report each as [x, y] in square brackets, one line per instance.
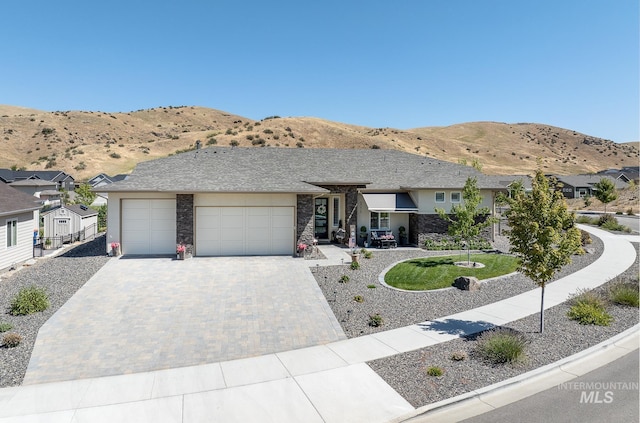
[141, 314]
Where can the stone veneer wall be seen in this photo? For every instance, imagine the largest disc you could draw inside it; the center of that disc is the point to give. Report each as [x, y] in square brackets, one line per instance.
[432, 226]
[184, 221]
[304, 219]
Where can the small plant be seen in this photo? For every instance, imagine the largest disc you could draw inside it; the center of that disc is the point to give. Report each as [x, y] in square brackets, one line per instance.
[606, 219]
[502, 345]
[358, 298]
[375, 320]
[372, 286]
[115, 155]
[4, 327]
[589, 308]
[234, 143]
[11, 340]
[355, 265]
[344, 278]
[585, 237]
[589, 314]
[29, 300]
[459, 356]
[624, 293]
[366, 253]
[630, 211]
[435, 371]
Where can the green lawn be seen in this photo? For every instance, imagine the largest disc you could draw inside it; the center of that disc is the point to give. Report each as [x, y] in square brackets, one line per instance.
[439, 272]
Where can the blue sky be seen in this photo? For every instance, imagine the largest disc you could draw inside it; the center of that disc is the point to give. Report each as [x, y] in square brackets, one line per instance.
[403, 64]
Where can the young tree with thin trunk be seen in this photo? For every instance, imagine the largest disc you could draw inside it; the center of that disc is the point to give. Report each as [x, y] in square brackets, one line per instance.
[467, 220]
[543, 232]
[605, 191]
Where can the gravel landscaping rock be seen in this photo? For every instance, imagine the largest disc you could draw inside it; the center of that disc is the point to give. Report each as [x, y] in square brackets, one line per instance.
[60, 277]
[400, 308]
[562, 337]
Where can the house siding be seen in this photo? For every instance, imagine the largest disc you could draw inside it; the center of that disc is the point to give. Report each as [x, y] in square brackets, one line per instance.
[24, 249]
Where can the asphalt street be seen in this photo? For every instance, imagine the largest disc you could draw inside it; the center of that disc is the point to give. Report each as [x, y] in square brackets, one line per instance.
[607, 394]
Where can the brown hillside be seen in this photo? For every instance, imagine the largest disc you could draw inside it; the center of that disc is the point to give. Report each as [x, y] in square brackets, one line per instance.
[87, 143]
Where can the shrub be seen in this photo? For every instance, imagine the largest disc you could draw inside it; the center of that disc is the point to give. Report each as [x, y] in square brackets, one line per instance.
[234, 143]
[502, 345]
[606, 219]
[435, 371]
[114, 155]
[624, 293]
[358, 298]
[355, 265]
[366, 253]
[630, 211]
[11, 340]
[29, 300]
[4, 327]
[344, 278]
[589, 314]
[459, 356]
[372, 286]
[585, 237]
[375, 320]
[212, 141]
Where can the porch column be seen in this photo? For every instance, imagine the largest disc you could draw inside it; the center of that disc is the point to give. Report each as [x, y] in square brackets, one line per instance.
[184, 221]
[304, 219]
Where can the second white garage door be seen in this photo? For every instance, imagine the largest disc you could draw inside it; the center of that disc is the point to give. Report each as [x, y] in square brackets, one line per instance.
[242, 231]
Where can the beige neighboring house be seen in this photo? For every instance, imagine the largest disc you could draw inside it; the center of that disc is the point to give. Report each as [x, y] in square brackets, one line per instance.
[19, 218]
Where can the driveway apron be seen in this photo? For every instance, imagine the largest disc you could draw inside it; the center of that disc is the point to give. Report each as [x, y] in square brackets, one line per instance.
[142, 314]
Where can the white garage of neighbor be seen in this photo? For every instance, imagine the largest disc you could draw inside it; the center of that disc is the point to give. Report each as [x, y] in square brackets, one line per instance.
[148, 226]
[237, 231]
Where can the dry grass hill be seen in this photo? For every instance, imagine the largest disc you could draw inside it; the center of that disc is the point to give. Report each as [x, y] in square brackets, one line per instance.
[87, 143]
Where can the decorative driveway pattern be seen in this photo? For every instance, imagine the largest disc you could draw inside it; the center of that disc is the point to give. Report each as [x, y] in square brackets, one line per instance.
[142, 314]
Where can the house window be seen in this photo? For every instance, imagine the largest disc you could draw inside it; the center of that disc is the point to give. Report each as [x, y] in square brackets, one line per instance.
[439, 197]
[379, 220]
[455, 197]
[336, 211]
[12, 232]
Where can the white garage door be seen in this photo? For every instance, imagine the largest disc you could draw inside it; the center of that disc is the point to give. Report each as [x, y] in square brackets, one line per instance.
[148, 226]
[242, 231]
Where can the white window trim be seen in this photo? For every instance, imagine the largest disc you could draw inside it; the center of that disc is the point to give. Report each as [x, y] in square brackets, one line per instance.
[12, 235]
[444, 197]
[459, 197]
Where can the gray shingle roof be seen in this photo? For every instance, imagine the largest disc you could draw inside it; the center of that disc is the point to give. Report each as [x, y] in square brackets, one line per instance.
[222, 169]
[589, 180]
[13, 201]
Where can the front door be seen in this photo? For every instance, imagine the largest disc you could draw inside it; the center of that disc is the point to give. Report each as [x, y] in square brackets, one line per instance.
[321, 213]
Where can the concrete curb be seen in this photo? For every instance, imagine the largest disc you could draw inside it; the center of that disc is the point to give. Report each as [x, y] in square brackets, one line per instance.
[487, 398]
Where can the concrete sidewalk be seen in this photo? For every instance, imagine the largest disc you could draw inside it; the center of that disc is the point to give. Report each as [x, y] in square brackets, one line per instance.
[324, 383]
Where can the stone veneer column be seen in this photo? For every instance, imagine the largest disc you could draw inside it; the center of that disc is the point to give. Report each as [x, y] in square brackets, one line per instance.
[184, 221]
[304, 219]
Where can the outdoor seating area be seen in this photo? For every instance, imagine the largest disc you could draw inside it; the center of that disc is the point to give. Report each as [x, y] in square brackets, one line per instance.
[383, 239]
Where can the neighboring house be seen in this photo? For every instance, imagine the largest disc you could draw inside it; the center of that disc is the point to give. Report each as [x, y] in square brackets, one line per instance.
[61, 179]
[19, 218]
[579, 186]
[626, 174]
[45, 190]
[264, 201]
[103, 179]
[69, 223]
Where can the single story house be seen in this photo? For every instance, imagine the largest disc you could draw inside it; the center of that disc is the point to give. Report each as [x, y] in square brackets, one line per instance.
[60, 178]
[265, 201]
[19, 216]
[68, 223]
[579, 186]
[626, 174]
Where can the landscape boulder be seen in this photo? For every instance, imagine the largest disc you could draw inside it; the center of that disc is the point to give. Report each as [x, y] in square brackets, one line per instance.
[467, 283]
